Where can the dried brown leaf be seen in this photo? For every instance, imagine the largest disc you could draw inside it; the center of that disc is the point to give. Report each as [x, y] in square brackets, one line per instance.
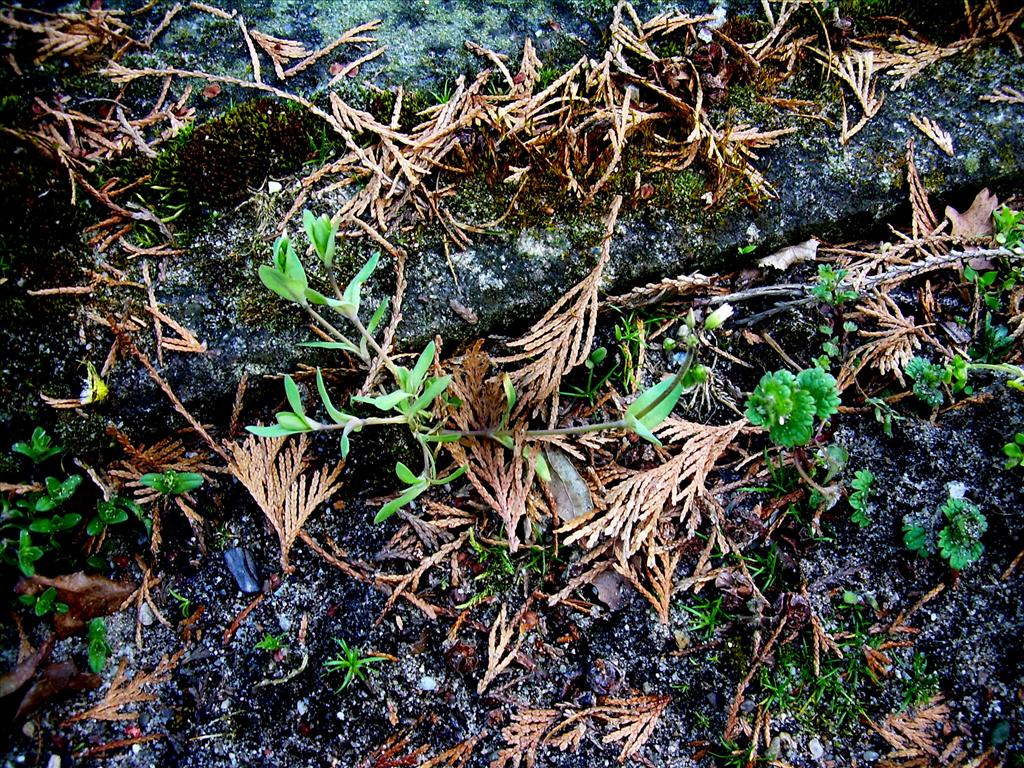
[22, 673]
[786, 257]
[891, 345]
[55, 681]
[976, 221]
[562, 338]
[86, 595]
[918, 729]
[633, 721]
[524, 737]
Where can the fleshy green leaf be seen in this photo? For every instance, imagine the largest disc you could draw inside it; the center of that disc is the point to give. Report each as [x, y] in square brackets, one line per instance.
[510, 392]
[451, 476]
[314, 296]
[351, 292]
[641, 429]
[385, 402]
[540, 464]
[294, 421]
[419, 370]
[655, 404]
[378, 316]
[434, 390]
[396, 504]
[275, 430]
[321, 232]
[338, 417]
[405, 474]
[277, 282]
[291, 391]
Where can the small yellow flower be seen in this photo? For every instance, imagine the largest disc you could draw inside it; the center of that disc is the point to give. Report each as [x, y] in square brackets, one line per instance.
[94, 389]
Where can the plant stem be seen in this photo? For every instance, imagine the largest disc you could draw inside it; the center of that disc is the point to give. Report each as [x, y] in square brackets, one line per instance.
[370, 421]
[322, 321]
[372, 342]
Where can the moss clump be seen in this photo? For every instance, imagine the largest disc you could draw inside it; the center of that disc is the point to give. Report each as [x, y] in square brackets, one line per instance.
[217, 163]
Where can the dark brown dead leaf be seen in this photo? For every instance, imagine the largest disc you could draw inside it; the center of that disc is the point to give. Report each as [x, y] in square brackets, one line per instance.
[609, 589]
[976, 221]
[21, 674]
[57, 680]
[569, 489]
[87, 596]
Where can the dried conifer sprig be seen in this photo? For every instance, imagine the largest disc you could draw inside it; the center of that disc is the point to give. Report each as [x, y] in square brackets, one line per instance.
[577, 127]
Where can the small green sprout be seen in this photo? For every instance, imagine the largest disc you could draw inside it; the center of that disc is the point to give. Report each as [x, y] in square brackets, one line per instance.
[272, 643]
[786, 404]
[1014, 451]
[351, 663]
[928, 379]
[960, 539]
[39, 447]
[44, 603]
[112, 512]
[184, 604]
[830, 289]
[171, 483]
[915, 538]
[591, 389]
[99, 648]
[1009, 226]
[862, 483]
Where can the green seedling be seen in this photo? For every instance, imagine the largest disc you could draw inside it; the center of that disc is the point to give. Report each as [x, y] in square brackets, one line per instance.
[37, 514]
[171, 483]
[919, 685]
[932, 381]
[1014, 451]
[99, 648]
[39, 447]
[272, 643]
[184, 603]
[830, 288]
[786, 405]
[960, 539]
[862, 483]
[44, 603]
[112, 512]
[1009, 227]
[590, 391]
[350, 663]
[708, 617]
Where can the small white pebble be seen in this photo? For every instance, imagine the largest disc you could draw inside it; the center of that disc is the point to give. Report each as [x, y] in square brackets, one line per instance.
[427, 683]
[817, 751]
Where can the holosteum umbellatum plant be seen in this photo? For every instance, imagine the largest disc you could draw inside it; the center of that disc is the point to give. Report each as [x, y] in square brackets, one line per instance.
[415, 397]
